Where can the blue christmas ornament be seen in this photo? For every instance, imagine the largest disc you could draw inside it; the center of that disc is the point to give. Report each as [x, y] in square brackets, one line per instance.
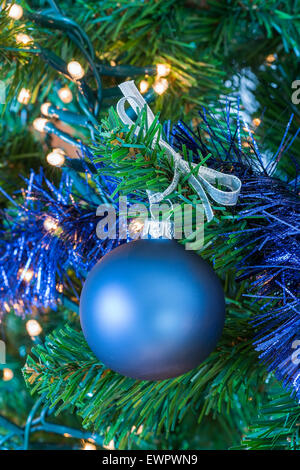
[152, 310]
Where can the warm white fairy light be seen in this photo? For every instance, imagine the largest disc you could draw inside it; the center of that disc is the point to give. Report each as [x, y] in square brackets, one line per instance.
[60, 288]
[50, 224]
[75, 70]
[136, 226]
[15, 11]
[160, 86]
[137, 431]
[45, 108]
[65, 94]
[144, 85]
[33, 328]
[256, 122]
[163, 70]
[89, 446]
[7, 374]
[24, 96]
[23, 38]
[110, 445]
[39, 124]
[270, 58]
[56, 157]
[27, 276]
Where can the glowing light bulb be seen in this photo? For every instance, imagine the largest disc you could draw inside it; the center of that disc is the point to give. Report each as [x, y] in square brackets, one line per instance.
[24, 96]
[7, 374]
[24, 39]
[88, 446]
[50, 224]
[56, 157]
[160, 86]
[163, 70]
[33, 328]
[140, 430]
[65, 94]
[270, 58]
[256, 122]
[45, 108]
[75, 70]
[110, 445]
[15, 11]
[136, 226]
[144, 86]
[60, 288]
[39, 124]
[27, 276]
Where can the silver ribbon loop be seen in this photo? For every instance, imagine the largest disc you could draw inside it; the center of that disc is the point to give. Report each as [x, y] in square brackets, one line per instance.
[203, 182]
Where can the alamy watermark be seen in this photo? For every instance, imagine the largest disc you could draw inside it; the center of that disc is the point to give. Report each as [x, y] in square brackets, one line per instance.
[2, 92]
[296, 93]
[296, 354]
[2, 352]
[175, 221]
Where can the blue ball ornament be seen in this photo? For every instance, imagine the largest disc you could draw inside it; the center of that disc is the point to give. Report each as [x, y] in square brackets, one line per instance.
[152, 310]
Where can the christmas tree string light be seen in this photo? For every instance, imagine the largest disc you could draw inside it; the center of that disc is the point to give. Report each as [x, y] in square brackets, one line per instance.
[69, 117]
[50, 224]
[33, 328]
[88, 101]
[56, 157]
[160, 86]
[144, 86]
[24, 96]
[43, 125]
[15, 11]
[65, 94]
[7, 374]
[75, 70]
[40, 423]
[163, 70]
[24, 39]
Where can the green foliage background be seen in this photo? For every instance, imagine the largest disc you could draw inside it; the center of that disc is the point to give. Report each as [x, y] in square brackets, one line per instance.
[210, 46]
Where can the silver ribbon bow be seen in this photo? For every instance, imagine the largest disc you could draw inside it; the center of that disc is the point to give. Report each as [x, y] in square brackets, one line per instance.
[206, 177]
